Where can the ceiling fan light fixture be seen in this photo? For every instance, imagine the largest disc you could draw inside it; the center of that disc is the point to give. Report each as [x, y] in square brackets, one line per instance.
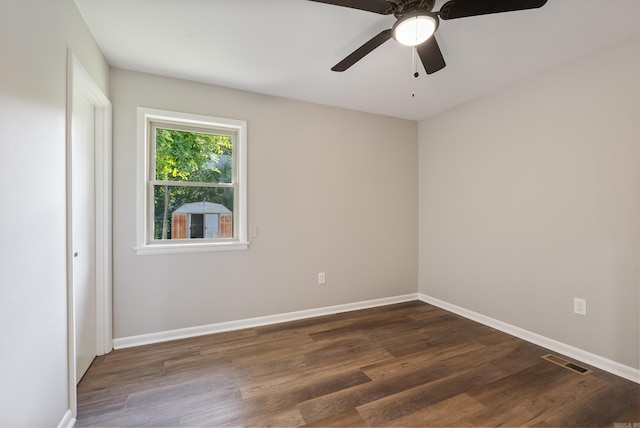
[411, 30]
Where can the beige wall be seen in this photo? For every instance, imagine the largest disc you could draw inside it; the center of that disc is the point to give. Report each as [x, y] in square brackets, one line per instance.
[34, 38]
[530, 197]
[330, 190]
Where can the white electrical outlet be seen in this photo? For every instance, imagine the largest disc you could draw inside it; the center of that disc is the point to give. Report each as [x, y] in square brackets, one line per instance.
[321, 278]
[579, 306]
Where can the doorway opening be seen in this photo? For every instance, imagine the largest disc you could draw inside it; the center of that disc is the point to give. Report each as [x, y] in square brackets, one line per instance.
[96, 252]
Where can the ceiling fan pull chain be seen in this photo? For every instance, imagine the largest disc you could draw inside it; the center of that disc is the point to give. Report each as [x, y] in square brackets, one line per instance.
[414, 64]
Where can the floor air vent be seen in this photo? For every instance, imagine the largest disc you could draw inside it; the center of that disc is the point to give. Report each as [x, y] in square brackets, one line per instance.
[566, 364]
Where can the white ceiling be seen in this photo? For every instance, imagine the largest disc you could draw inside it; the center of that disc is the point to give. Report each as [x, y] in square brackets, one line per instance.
[287, 47]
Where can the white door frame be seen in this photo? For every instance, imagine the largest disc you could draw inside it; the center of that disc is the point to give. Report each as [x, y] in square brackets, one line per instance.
[78, 79]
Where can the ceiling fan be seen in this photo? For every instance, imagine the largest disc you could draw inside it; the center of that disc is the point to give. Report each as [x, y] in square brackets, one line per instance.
[416, 24]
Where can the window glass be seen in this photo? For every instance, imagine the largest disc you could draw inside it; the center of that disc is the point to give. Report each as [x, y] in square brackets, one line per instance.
[195, 188]
[193, 156]
[174, 205]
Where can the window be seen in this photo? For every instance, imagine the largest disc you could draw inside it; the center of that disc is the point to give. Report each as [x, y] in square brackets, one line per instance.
[191, 182]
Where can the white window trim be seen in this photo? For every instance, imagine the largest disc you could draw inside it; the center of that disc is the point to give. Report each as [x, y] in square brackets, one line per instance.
[144, 244]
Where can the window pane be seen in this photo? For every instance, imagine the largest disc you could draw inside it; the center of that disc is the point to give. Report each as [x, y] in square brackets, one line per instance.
[193, 212]
[191, 156]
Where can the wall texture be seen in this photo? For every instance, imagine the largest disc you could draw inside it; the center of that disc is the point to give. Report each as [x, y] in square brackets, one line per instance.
[330, 190]
[530, 197]
[34, 38]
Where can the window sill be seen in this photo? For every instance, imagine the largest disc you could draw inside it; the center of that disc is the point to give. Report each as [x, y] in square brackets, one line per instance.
[200, 247]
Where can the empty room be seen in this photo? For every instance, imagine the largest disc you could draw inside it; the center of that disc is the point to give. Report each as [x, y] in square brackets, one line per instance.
[360, 213]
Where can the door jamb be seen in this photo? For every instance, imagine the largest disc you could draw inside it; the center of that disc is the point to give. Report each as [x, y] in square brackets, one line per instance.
[78, 78]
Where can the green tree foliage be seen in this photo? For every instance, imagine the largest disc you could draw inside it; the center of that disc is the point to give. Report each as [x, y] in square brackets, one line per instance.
[193, 157]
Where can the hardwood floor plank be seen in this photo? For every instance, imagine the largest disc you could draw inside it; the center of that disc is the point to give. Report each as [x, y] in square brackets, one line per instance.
[426, 311]
[452, 412]
[371, 328]
[175, 395]
[604, 408]
[473, 359]
[289, 417]
[339, 350]
[383, 411]
[99, 387]
[348, 418]
[147, 354]
[395, 366]
[275, 370]
[273, 383]
[215, 414]
[343, 400]
[327, 322]
[93, 413]
[455, 331]
[200, 365]
[533, 408]
[265, 347]
[431, 332]
[255, 408]
[512, 387]
[522, 357]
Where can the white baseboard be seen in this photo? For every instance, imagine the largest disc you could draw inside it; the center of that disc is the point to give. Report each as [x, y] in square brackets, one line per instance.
[165, 336]
[606, 364]
[67, 420]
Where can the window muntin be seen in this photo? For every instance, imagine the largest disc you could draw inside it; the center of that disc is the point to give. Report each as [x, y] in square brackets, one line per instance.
[194, 183]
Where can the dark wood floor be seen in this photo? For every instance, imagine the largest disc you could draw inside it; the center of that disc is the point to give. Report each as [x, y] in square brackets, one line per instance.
[411, 365]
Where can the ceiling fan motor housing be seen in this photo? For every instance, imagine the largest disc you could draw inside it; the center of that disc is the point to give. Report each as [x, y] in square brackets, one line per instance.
[401, 8]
